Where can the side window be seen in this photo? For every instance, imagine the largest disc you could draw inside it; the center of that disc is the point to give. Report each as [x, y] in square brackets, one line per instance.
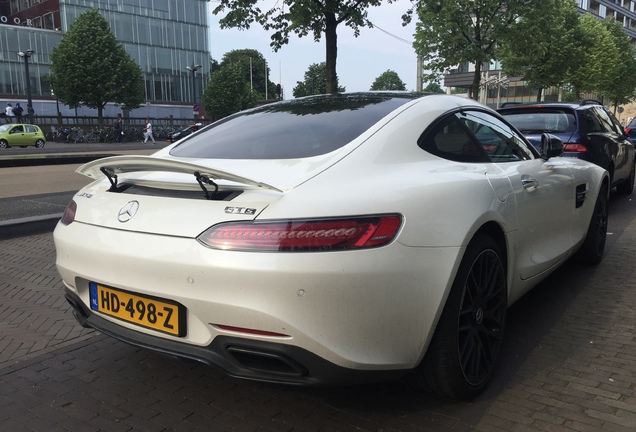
[450, 140]
[30, 128]
[500, 141]
[17, 129]
[617, 125]
[606, 122]
[591, 120]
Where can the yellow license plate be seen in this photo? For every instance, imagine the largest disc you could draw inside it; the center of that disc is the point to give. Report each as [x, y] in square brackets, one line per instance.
[151, 312]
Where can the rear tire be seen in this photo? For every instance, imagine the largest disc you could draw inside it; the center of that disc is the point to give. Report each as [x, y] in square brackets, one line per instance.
[39, 143]
[593, 247]
[461, 357]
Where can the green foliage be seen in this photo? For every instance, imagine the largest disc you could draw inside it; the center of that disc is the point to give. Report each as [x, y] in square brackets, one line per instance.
[544, 45]
[256, 72]
[214, 65]
[300, 17]
[454, 32]
[599, 53]
[89, 67]
[620, 83]
[433, 87]
[227, 92]
[315, 82]
[388, 80]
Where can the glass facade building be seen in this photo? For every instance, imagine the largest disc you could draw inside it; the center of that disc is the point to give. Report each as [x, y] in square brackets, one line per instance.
[162, 36]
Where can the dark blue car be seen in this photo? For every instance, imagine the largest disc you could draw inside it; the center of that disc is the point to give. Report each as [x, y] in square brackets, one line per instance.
[588, 130]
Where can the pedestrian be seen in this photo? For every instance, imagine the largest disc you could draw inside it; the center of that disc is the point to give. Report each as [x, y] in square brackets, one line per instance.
[148, 133]
[17, 111]
[31, 111]
[8, 112]
[119, 129]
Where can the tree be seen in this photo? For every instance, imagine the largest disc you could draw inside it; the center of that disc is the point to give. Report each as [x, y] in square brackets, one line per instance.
[388, 80]
[454, 32]
[543, 45]
[599, 53]
[433, 87]
[620, 85]
[315, 82]
[301, 18]
[89, 67]
[227, 92]
[255, 71]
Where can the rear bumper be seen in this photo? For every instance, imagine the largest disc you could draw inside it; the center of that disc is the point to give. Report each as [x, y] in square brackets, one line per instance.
[238, 357]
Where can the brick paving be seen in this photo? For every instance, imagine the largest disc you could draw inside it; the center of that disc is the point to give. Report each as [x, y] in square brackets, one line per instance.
[569, 365]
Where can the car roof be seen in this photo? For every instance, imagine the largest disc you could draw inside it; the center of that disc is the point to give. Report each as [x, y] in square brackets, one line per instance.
[508, 106]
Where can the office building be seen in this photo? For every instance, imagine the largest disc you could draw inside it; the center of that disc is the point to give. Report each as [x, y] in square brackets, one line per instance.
[162, 36]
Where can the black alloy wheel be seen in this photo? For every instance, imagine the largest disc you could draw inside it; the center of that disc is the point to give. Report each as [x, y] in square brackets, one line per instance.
[461, 357]
[593, 247]
[482, 318]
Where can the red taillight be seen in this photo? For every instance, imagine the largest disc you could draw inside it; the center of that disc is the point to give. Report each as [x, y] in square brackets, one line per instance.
[69, 214]
[304, 235]
[627, 130]
[579, 148]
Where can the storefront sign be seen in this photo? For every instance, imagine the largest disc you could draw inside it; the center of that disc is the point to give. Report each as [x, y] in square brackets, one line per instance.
[15, 21]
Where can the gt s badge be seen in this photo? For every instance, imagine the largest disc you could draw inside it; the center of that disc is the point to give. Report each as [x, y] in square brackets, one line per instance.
[128, 211]
[240, 210]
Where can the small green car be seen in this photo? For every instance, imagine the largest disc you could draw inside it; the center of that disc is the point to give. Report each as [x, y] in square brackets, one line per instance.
[14, 135]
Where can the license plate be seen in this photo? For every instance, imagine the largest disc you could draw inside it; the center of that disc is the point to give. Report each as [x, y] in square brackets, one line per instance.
[151, 312]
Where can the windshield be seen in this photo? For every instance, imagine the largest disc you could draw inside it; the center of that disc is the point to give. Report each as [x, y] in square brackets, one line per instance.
[5, 127]
[292, 129]
[527, 120]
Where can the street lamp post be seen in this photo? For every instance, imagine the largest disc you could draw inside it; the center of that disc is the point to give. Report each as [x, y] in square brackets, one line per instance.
[28, 53]
[194, 70]
[313, 79]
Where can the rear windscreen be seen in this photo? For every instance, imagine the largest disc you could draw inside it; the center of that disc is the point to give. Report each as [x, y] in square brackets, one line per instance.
[542, 121]
[298, 128]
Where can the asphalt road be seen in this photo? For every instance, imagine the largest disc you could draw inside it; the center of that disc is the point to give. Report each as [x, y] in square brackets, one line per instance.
[567, 363]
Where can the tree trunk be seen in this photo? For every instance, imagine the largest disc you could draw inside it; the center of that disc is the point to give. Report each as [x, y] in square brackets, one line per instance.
[476, 81]
[539, 92]
[100, 115]
[331, 40]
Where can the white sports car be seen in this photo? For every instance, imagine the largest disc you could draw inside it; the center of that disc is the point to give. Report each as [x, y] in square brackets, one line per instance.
[330, 239]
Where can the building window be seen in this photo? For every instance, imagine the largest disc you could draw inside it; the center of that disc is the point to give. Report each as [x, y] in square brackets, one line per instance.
[48, 22]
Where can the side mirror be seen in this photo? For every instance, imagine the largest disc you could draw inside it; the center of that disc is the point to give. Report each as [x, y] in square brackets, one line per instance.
[551, 146]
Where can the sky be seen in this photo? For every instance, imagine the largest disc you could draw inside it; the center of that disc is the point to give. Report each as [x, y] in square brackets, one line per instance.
[388, 46]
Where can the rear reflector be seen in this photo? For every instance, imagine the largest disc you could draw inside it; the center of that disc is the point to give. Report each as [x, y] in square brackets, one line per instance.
[579, 148]
[304, 235]
[250, 331]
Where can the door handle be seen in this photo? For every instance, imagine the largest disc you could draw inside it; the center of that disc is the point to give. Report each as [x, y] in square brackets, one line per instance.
[530, 184]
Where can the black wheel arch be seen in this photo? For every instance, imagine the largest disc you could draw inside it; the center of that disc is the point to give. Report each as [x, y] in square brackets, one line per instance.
[493, 229]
